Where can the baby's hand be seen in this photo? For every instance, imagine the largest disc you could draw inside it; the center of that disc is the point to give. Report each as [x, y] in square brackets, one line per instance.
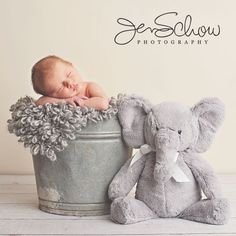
[83, 97]
[76, 100]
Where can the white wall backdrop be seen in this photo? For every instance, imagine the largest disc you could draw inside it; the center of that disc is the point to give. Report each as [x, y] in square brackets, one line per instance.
[82, 31]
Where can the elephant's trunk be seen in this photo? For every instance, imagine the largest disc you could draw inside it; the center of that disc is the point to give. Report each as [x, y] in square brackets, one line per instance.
[167, 144]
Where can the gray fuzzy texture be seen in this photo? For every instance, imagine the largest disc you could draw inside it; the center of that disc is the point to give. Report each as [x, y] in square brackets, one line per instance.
[47, 129]
[169, 128]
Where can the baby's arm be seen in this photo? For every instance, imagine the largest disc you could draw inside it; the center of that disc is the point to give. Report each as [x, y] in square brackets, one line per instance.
[73, 100]
[97, 97]
[44, 99]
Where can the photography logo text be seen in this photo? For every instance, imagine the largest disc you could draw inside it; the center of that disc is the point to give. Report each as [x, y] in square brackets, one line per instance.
[167, 29]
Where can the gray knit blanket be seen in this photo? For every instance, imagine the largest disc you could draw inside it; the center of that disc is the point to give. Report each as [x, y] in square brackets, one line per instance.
[47, 129]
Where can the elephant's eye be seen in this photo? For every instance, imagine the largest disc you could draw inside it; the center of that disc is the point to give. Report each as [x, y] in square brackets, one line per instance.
[157, 128]
[179, 131]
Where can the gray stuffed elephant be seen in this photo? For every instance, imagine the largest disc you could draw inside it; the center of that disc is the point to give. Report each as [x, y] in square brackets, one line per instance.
[171, 176]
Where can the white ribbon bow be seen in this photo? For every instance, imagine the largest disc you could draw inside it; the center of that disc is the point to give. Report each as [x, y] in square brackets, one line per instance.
[178, 174]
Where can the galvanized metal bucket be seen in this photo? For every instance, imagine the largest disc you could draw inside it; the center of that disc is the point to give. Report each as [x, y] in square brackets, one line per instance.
[77, 182]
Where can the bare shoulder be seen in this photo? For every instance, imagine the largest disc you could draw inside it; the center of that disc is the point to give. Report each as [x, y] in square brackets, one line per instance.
[92, 85]
[93, 89]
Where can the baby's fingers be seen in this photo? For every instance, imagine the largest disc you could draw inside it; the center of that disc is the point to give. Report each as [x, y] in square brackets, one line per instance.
[71, 102]
[83, 97]
[79, 101]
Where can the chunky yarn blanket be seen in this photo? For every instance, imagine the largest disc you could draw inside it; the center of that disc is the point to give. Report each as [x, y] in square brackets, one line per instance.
[47, 129]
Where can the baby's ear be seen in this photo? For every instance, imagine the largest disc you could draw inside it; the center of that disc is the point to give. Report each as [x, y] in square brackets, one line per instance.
[132, 112]
[210, 113]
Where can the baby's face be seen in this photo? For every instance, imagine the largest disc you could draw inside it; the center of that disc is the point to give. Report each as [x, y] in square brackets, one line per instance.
[62, 81]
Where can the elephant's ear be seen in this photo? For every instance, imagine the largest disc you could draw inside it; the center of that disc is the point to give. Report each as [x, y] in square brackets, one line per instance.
[132, 111]
[210, 114]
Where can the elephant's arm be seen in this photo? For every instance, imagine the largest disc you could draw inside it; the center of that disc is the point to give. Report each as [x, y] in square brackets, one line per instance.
[125, 179]
[204, 175]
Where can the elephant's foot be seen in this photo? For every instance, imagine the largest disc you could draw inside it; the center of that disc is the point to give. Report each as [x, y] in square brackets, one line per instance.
[210, 211]
[129, 210]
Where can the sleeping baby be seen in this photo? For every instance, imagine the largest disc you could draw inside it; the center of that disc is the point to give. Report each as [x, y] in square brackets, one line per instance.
[59, 81]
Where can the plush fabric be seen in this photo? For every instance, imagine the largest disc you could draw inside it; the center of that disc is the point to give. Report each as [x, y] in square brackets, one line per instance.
[47, 129]
[170, 130]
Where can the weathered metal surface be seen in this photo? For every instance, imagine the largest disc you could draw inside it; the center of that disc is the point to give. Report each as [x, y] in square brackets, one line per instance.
[77, 182]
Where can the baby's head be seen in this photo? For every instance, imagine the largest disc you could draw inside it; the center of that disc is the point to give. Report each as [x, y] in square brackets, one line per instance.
[54, 77]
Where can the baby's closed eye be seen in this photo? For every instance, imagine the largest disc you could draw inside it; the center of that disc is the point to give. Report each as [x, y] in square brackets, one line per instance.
[68, 75]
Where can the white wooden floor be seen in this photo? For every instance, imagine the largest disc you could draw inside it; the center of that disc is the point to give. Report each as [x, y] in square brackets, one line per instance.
[19, 215]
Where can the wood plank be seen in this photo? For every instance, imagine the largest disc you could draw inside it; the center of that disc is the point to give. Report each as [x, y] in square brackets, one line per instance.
[19, 214]
[201, 234]
[31, 211]
[159, 234]
[180, 234]
[159, 226]
[17, 179]
[18, 198]
[18, 188]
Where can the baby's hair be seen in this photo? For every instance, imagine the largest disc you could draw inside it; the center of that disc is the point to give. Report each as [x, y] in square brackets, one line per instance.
[41, 69]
